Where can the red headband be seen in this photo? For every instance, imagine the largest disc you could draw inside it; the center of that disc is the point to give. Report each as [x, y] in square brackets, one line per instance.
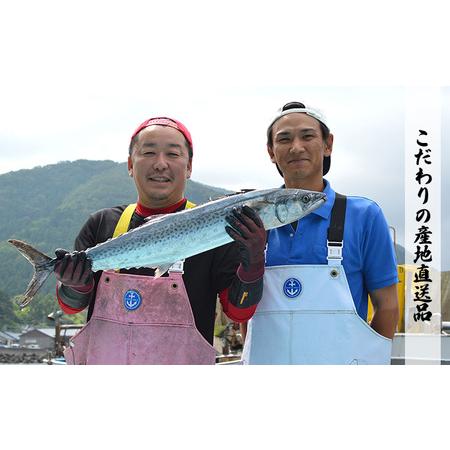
[167, 122]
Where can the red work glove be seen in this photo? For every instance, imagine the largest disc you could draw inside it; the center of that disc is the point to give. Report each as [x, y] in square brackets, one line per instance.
[248, 231]
[74, 270]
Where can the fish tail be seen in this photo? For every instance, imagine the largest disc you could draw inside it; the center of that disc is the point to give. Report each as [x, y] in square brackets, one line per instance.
[42, 265]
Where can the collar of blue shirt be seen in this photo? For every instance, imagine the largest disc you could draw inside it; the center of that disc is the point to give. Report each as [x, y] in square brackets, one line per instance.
[325, 210]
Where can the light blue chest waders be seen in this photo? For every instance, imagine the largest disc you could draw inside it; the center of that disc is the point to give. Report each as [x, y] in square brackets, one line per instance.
[307, 316]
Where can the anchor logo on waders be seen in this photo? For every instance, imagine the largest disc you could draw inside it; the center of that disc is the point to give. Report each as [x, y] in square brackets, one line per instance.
[292, 287]
[132, 300]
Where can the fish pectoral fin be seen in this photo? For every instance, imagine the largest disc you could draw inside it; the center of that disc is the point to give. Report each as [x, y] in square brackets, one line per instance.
[161, 270]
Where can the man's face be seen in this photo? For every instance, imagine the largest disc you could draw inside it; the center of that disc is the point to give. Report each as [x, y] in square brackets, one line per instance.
[298, 148]
[160, 166]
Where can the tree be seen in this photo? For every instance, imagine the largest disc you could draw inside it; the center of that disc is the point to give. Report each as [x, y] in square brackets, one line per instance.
[36, 313]
[8, 319]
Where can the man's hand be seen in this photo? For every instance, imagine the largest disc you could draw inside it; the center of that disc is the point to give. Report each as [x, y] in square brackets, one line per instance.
[74, 269]
[248, 231]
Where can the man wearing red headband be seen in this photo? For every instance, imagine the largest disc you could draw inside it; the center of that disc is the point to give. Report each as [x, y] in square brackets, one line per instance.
[133, 317]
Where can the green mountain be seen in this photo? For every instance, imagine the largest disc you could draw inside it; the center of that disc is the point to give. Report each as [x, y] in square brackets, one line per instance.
[46, 206]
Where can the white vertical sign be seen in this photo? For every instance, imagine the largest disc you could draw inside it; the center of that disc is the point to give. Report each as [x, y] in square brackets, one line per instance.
[423, 225]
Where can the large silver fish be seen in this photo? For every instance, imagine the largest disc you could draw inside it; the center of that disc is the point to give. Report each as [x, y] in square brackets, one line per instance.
[169, 238]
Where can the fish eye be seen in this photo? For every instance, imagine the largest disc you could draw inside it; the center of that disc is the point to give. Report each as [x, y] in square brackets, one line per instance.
[306, 198]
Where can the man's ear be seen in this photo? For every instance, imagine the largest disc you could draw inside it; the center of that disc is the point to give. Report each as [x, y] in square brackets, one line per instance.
[271, 154]
[189, 169]
[329, 145]
[130, 167]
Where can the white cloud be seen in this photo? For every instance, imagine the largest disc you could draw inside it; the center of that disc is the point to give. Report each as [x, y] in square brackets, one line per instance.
[79, 77]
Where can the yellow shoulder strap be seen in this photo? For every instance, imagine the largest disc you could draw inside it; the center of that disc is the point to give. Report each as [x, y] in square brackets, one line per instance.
[189, 205]
[124, 221]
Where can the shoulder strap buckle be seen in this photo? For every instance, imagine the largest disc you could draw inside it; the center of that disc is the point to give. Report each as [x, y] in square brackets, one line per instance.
[334, 256]
[177, 267]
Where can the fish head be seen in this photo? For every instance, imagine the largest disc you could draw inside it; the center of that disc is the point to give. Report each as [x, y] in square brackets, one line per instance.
[294, 204]
[282, 206]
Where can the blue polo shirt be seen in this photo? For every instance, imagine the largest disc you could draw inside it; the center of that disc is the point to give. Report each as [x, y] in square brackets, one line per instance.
[368, 254]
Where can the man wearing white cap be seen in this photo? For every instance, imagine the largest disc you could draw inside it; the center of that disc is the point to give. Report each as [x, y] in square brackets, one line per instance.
[320, 270]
